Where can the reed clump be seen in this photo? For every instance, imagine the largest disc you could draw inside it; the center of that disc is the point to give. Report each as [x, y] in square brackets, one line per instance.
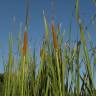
[60, 68]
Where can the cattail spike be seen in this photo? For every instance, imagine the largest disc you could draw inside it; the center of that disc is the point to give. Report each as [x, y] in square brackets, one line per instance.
[54, 36]
[25, 44]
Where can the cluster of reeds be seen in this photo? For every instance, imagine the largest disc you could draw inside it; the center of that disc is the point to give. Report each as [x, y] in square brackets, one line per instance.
[60, 69]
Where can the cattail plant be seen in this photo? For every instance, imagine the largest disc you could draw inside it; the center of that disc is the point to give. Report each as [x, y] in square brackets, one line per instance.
[24, 63]
[55, 43]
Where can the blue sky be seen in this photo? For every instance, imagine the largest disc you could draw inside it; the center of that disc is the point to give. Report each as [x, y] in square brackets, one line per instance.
[10, 9]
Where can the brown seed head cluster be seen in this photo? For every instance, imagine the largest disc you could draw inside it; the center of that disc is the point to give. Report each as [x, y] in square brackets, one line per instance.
[54, 36]
[24, 49]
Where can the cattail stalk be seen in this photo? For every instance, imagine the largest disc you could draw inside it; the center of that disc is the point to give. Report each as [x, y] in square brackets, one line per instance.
[24, 52]
[56, 54]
